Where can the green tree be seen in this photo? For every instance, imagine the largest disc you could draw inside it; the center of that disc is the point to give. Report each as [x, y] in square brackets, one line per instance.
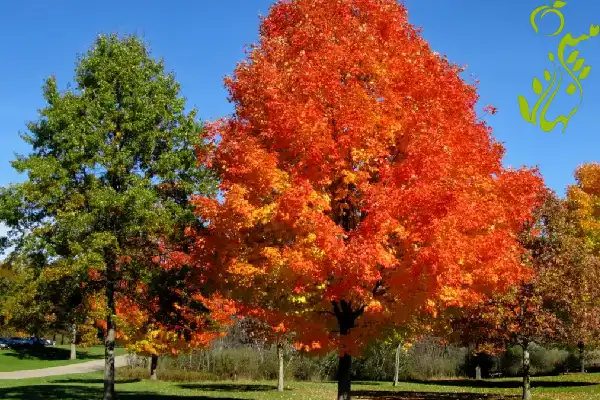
[41, 297]
[110, 175]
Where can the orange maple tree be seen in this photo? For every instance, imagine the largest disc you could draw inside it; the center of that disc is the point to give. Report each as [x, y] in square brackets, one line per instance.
[358, 184]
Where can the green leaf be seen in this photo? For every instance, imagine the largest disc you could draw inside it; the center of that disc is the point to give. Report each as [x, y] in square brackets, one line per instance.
[559, 4]
[585, 72]
[594, 30]
[547, 75]
[551, 56]
[571, 89]
[573, 57]
[578, 64]
[537, 86]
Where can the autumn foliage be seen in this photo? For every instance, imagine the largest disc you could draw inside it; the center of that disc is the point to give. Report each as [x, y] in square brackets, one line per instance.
[359, 185]
[146, 335]
[582, 305]
[583, 199]
[166, 321]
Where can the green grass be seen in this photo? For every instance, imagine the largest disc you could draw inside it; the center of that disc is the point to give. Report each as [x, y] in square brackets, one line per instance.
[36, 358]
[89, 386]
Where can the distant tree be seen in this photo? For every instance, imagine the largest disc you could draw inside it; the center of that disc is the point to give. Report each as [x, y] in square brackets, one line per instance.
[516, 318]
[264, 330]
[6, 278]
[581, 305]
[552, 306]
[584, 201]
[403, 337]
[42, 296]
[163, 317]
[110, 175]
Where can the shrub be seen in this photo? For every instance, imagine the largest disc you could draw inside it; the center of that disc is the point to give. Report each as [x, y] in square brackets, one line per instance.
[174, 375]
[426, 360]
[377, 362]
[429, 359]
[543, 360]
[489, 364]
[547, 361]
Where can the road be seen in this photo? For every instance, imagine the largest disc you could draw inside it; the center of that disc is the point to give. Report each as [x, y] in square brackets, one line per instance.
[80, 368]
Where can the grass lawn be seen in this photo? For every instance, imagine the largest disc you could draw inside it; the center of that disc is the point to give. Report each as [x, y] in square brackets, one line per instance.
[36, 358]
[89, 386]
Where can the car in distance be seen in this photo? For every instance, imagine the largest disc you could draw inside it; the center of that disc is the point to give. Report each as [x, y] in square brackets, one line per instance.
[18, 342]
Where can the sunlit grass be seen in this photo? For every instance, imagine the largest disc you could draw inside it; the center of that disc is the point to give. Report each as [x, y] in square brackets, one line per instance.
[89, 386]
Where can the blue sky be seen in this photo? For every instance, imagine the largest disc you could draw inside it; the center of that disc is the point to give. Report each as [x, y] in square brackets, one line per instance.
[202, 41]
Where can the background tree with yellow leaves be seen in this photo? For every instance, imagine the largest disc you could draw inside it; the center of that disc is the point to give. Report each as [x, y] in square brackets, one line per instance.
[582, 302]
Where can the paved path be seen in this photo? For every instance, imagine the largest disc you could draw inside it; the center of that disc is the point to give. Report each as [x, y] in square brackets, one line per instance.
[80, 368]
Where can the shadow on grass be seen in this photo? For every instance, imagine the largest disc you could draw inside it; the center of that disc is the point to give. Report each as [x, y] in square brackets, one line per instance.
[66, 392]
[375, 395]
[49, 354]
[493, 384]
[227, 387]
[83, 381]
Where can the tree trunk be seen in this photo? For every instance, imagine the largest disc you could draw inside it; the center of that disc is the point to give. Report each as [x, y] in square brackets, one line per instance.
[526, 377]
[280, 356]
[397, 364]
[262, 354]
[73, 340]
[344, 383]
[581, 346]
[477, 360]
[109, 343]
[153, 366]
[62, 338]
[346, 318]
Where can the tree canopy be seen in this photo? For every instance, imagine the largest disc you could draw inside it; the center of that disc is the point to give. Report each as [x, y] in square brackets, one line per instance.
[110, 174]
[359, 185]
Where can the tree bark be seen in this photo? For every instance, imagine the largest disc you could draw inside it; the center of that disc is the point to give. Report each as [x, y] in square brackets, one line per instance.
[153, 366]
[261, 352]
[344, 383]
[346, 318]
[73, 355]
[280, 357]
[526, 372]
[397, 364]
[109, 343]
[581, 346]
[477, 360]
